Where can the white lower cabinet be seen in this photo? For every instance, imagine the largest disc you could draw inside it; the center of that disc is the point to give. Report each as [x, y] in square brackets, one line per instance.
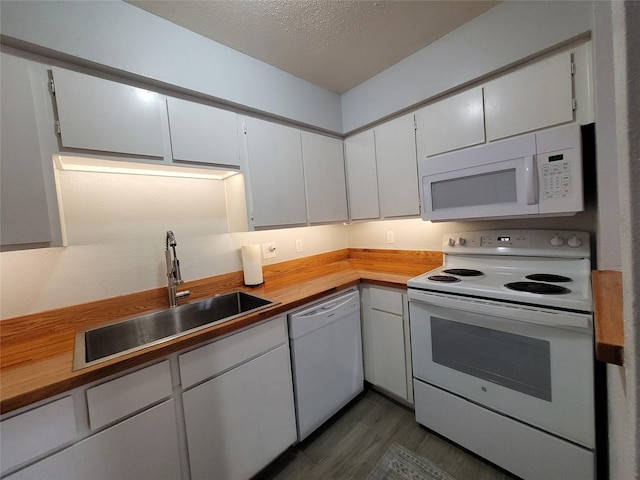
[236, 394]
[241, 420]
[386, 341]
[144, 446]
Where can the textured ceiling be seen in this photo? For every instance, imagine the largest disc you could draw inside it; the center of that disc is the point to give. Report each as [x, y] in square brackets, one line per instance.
[335, 44]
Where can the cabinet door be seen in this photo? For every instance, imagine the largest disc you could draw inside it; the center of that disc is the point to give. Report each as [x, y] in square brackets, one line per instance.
[240, 421]
[387, 344]
[37, 431]
[362, 176]
[325, 179]
[202, 134]
[25, 214]
[143, 447]
[276, 174]
[98, 114]
[536, 96]
[397, 168]
[450, 124]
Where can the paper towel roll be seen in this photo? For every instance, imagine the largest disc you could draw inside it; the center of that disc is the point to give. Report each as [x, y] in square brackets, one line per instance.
[252, 265]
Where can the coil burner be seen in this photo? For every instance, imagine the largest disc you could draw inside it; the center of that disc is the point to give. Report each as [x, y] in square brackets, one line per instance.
[443, 278]
[537, 287]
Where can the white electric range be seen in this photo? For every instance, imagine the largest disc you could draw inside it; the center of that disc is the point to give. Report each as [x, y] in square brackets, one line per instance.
[502, 347]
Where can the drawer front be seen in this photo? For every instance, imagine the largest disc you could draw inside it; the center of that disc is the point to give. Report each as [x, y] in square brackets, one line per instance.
[538, 454]
[118, 398]
[214, 358]
[37, 431]
[386, 300]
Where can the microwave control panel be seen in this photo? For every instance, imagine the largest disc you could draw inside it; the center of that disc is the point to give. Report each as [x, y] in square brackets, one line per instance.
[559, 165]
[556, 175]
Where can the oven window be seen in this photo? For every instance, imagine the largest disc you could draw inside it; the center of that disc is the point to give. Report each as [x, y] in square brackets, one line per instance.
[513, 361]
[484, 189]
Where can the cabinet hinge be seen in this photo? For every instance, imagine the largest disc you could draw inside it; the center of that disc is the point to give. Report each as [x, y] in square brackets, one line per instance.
[52, 86]
[573, 68]
[574, 104]
[58, 129]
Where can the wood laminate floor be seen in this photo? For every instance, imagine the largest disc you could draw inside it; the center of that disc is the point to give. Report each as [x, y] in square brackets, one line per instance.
[349, 446]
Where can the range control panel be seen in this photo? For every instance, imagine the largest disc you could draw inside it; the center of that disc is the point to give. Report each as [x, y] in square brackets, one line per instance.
[504, 240]
[519, 242]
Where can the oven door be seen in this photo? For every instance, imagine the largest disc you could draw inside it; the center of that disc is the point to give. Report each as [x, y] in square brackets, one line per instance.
[534, 365]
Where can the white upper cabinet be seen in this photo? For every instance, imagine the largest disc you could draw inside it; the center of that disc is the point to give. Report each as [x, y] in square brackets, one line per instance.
[362, 176]
[325, 179]
[536, 96]
[397, 167]
[450, 124]
[202, 134]
[25, 214]
[98, 114]
[276, 176]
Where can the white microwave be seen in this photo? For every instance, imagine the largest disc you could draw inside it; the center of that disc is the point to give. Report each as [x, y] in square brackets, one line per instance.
[534, 174]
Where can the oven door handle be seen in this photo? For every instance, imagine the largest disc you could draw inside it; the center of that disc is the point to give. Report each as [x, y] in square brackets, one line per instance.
[566, 320]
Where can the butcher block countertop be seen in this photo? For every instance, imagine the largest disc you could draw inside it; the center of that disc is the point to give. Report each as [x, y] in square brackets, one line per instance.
[36, 351]
[608, 316]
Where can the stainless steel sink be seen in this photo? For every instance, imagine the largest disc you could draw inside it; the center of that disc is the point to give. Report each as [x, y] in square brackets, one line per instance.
[125, 336]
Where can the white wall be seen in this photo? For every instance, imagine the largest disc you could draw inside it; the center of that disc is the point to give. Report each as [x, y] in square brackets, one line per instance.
[414, 234]
[618, 25]
[508, 33]
[605, 111]
[116, 35]
[43, 279]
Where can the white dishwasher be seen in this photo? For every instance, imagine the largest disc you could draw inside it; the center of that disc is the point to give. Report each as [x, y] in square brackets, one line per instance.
[326, 354]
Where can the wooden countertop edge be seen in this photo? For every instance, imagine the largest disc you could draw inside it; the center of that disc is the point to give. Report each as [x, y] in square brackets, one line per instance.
[608, 316]
[41, 366]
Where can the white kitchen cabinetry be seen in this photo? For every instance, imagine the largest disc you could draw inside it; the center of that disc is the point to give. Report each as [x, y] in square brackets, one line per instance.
[397, 168]
[242, 418]
[386, 341]
[36, 431]
[362, 176]
[536, 96]
[276, 177]
[25, 213]
[144, 446]
[325, 178]
[203, 134]
[450, 124]
[110, 401]
[102, 115]
[140, 441]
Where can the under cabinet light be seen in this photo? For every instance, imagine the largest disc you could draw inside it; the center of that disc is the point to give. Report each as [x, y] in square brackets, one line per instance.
[83, 164]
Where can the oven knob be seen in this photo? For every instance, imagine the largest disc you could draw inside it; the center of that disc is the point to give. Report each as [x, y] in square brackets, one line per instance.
[574, 242]
[461, 241]
[556, 241]
[451, 242]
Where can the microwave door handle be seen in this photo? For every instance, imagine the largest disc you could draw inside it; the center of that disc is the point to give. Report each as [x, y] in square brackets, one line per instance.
[530, 180]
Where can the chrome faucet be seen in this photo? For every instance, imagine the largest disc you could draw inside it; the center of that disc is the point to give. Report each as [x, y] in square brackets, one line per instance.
[174, 277]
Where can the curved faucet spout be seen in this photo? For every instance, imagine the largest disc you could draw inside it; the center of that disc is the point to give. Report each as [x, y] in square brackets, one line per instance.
[174, 276]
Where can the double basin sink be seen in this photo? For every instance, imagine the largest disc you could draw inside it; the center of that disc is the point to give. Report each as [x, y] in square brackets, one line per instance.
[118, 338]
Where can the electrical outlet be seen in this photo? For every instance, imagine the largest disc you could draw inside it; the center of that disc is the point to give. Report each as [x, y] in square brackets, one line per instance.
[390, 237]
[298, 245]
[268, 250]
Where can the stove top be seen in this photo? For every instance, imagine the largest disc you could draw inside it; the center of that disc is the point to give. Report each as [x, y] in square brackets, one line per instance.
[520, 266]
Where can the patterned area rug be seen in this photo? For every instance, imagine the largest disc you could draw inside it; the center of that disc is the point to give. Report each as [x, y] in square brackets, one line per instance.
[397, 463]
